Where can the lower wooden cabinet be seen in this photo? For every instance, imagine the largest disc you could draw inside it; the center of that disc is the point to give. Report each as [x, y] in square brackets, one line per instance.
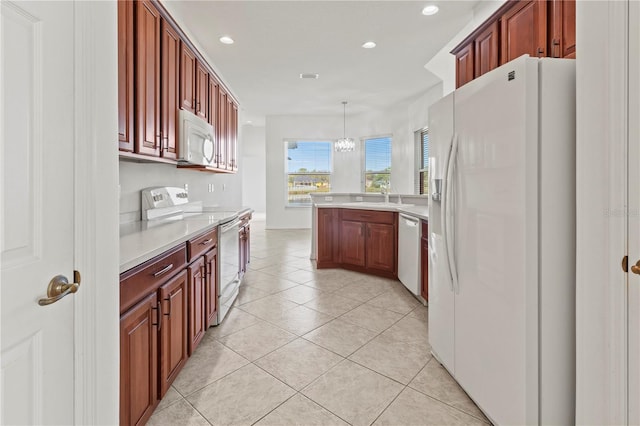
[139, 361]
[173, 330]
[211, 286]
[424, 261]
[363, 240]
[197, 305]
[352, 243]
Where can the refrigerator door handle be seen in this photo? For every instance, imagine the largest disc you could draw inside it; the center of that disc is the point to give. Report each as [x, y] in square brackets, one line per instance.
[443, 214]
[449, 216]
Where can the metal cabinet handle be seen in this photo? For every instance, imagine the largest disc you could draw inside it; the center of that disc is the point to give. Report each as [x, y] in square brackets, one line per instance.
[636, 268]
[158, 315]
[59, 287]
[205, 242]
[163, 270]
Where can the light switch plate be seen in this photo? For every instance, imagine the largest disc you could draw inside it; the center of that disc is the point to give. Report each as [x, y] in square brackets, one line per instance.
[328, 198]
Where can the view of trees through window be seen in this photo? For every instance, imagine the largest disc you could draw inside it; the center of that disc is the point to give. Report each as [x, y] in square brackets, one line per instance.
[424, 163]
[308, 169]
[377, 164]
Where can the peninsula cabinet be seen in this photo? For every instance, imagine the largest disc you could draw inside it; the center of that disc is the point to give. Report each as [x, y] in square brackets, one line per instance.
[244, 235]
[539, 28]
[362, 240]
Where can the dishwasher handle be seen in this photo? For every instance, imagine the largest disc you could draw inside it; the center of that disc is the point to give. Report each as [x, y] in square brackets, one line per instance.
[410, 220]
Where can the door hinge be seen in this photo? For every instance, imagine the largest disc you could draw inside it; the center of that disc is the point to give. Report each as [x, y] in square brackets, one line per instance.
[625, 263]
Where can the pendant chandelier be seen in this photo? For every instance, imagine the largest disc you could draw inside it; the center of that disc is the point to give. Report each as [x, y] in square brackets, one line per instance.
[344, 144]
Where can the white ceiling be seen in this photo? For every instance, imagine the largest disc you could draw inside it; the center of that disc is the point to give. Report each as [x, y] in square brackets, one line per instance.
[275, 41]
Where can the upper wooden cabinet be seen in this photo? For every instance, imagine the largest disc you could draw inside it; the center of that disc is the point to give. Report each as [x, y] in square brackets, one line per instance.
[169, 93]
[125, 75]
[524, 30]
[535, 27]
[486, 46]
[187, 79]
[148, 78]
[213, 100]
[202, 91]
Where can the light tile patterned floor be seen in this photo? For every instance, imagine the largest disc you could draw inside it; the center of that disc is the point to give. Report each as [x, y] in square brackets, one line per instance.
[315, 347]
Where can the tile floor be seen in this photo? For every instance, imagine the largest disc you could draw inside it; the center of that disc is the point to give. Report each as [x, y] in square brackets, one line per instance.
[315, 347]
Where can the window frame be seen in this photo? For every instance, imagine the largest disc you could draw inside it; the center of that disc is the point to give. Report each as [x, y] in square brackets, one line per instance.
[422, 164]
[286, 142]
[364, 173]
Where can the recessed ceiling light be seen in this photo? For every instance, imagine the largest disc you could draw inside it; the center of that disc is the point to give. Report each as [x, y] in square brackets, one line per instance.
[226, 40]
[310, 75]
[432, 9]
[369, 45]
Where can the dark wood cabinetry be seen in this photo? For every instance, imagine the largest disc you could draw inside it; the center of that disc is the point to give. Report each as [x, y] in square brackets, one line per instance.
[125, 75]
[187, 79]
[486, 46]
[363, 240]
[148, 78]
[352, 243]
[244, 234]
[139, 361]
[159, 73]
[211, 289]
[173, 332]
[197, 308]
[524, 30]
[170, 91]
[424, 261]
[538, 28]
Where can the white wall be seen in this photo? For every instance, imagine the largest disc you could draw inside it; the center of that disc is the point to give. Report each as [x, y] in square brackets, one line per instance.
[136, 176]
[254, 174]
[400, 121]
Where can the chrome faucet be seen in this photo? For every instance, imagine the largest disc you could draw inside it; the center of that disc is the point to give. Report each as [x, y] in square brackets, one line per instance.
[383, 190]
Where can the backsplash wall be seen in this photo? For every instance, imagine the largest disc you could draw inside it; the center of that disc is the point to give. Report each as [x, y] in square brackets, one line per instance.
[136, 176]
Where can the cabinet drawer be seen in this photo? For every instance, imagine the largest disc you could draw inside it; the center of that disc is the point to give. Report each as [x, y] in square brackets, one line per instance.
[368, 216]
[138, 282]
[202, 243]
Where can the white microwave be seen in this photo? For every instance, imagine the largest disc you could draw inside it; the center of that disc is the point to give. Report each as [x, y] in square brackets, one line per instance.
[196, 140]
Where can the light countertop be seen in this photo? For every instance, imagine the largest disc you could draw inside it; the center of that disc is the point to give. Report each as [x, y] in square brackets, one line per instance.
[143, 240]
[418, 211]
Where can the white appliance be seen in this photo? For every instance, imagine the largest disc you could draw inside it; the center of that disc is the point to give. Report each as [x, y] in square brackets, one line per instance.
[409, 252]
[196, 140]
[229, 266]
[502, 235]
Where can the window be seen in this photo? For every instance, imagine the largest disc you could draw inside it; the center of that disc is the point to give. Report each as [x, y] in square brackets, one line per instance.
[308, 169]
[423, 167]
[377, 164]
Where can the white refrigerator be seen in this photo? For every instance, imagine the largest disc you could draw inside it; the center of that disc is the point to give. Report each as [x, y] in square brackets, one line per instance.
[502, 239]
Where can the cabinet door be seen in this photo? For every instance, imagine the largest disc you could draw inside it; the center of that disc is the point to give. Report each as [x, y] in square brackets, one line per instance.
[148, 78]
[139, 361]
[211, 289]
[125, 75]
[327, 238]
[524, 30]
[486, 50]
[221, 131]
[233, 136]
[464, 65]
[170, 91]
[187, 78]
[229, 134]
[213, 102]
[173, 333]
[562, 30]
[202, 91]
[424, 268]
[197, 306]
[381, 247]
[247, 247]
[241, 244]
[352, 243]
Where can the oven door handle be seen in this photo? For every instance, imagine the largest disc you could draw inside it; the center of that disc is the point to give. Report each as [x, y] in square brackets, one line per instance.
[228, 226]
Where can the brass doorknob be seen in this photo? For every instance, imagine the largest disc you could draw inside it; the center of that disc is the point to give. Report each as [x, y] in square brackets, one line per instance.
[59, 287]
[636, 268]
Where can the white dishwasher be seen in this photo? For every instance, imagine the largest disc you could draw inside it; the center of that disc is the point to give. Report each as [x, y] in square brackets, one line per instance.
[409, 253]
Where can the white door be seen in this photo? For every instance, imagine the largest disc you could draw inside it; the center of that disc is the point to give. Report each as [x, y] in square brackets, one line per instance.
[633, 238]
[441, 306]
[37, 133]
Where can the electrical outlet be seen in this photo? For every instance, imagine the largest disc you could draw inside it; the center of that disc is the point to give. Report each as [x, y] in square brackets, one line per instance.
[328, 198]
[224, 186]
[211, 187]
[358, 198]
[186, 187]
